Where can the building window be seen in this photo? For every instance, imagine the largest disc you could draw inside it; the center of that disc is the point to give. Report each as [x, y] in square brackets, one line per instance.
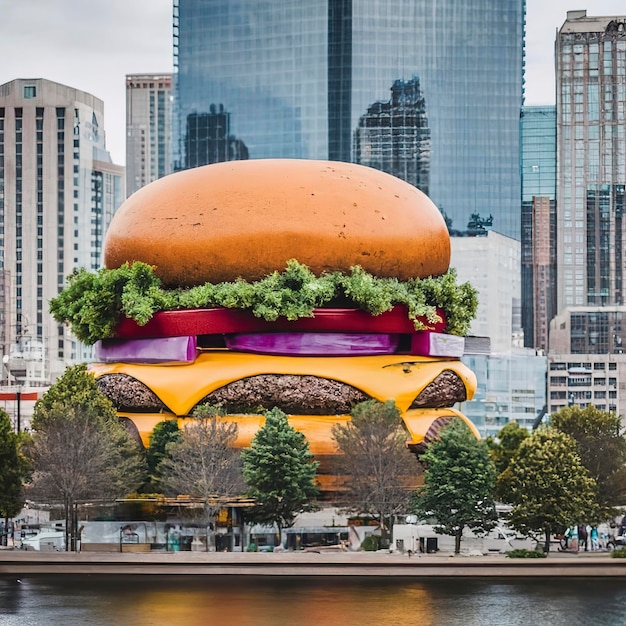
[30, 91]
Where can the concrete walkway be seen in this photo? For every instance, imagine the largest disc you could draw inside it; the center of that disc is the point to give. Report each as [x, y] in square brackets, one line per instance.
[22, 563]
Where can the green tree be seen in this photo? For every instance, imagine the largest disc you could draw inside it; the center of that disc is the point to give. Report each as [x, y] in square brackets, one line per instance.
[504, 446]
[549, 487]
[459, 483]
[79, 451]
[279, 471]
[76, 388]
[602, 449]
[163, 435]
[13, 470]
[376, 461]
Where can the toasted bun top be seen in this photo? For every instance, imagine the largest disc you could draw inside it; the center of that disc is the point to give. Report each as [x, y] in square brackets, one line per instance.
[246, 219]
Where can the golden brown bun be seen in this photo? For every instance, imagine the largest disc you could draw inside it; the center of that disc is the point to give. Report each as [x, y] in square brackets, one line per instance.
[248, 218]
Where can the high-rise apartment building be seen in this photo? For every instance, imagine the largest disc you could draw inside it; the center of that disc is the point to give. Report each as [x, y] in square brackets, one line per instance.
[591, 143]
[60, 191]
[148, 128]
[538, 133]
[302, 80]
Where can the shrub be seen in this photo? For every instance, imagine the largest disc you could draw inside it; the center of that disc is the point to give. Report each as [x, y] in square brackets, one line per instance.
[619, 553]
[522, 553]
[371, 543]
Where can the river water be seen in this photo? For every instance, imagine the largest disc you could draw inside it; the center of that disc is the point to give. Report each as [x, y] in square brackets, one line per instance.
[273, 601]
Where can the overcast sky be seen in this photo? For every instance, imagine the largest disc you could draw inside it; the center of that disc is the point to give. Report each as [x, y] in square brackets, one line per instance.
[92, 44]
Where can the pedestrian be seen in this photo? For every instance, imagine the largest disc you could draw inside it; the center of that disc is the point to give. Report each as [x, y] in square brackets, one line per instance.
[573, 540]
[595, 542]
[583, 537]
[567, 536]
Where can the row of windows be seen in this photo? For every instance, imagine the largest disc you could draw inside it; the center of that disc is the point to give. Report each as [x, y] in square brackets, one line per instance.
[560, 381]
[582, 395]
[555, 366]
[563, 381]
[601, 407]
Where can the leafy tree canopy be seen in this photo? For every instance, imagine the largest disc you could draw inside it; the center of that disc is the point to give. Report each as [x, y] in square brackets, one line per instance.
[459, 483]
[503, 447]
[13, 468]
[548, 486]
[279, 471]
[94, 303]
[75, 388]
[602, 448]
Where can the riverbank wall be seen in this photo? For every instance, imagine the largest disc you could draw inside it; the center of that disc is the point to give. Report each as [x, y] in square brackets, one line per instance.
[293, 564]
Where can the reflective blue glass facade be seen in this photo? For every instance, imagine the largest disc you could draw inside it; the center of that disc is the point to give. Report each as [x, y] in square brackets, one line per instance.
[538, 134]
[296, 79]
[511, 388]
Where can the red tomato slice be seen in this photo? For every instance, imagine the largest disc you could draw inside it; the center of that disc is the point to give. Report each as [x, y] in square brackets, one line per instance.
[221, 321]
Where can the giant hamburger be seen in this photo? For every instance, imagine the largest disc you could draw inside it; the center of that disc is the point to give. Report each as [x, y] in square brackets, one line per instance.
[305, 285]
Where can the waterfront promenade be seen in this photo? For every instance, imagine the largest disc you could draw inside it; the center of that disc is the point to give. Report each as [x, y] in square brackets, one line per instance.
[590, 565]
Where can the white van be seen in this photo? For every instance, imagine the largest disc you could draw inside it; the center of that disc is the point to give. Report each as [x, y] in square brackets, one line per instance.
[45, 539]
[421, 537]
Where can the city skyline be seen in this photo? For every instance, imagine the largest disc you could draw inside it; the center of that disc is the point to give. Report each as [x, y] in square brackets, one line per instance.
[137, 38]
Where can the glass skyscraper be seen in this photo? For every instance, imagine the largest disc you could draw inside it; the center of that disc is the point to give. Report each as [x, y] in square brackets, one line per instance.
[296, 80]
[538, 126]
[511, 388]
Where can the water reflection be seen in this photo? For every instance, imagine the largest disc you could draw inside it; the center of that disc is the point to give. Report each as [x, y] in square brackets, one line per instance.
[257, 601]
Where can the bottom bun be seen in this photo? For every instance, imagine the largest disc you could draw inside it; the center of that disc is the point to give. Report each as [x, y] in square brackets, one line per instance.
[422, 425]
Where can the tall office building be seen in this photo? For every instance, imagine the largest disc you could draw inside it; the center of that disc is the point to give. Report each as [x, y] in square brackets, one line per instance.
[591, 131]
[538, 131]
[148, 129]
[296, 79]
[586, 360]
[60, 190]
[394, 137]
